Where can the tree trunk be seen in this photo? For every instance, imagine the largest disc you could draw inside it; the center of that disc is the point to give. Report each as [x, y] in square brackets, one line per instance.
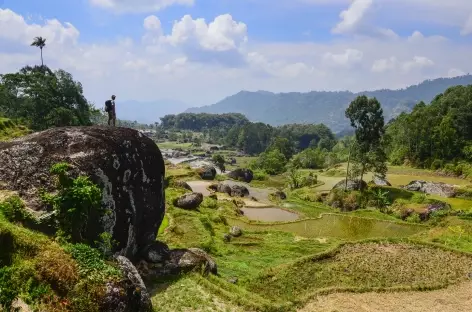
[362, 175]
[347, 170]
[42, 63]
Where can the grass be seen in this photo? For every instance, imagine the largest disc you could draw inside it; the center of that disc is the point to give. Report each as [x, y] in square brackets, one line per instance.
[174, 145]
[9, 129]
[164, 225]
[369, 265]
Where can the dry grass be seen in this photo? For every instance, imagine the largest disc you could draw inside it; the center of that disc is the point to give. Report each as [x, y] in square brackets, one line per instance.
[456, 298]
[363, 267]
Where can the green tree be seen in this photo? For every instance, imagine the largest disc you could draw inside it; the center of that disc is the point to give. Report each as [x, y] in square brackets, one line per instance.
[273, 162]
[283, 145]
[366, 116]
[39, 42]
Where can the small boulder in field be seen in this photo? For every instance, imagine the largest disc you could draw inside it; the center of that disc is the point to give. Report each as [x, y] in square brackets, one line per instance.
[279, 195]
[221, 188]
[207, 173]
[433, 188]
[239, 191]
[381, 181]
[227, 238]
[242, 174]
[431, 208]
[235, 231]
[182, 184]
[184, 260]
[189, 201]
[352, 185]
[156, 252]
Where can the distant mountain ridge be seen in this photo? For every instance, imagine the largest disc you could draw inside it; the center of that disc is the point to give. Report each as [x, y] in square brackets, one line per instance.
[148, 112]
[325, 106]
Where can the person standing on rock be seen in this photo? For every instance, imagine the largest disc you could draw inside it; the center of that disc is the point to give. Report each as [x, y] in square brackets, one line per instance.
[110, 109]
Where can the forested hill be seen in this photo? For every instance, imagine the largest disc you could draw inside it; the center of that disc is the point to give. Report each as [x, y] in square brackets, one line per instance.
[325, 107]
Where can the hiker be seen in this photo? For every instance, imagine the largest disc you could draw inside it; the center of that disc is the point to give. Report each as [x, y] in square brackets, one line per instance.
[110, 109]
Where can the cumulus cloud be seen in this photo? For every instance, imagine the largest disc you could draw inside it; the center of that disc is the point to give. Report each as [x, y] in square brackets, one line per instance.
[346, 59]
[467, 28]
[383, 65]
[353, 21]
[138, 6]
[393, 64]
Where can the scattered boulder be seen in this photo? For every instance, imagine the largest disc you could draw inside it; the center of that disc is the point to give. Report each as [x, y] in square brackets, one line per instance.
[233, 280]
[127, 166]
[189, 201]
[433, 188]
[213, 196]
[221, 188]
[235, 231]
[207, 173]
[182, 184]
[188, 259]
[279, 195]
[241, 174]
[233, 161]
[239, 191]
[227, 238]
[352, 185]
[134, 298]
[380, 181]
[156, 252]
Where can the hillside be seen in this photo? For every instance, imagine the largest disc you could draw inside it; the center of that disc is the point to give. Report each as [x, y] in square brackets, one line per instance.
[325, 107]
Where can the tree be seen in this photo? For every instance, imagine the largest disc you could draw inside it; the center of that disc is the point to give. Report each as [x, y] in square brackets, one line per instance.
[39, 42]
[366, 116]
[283, 145]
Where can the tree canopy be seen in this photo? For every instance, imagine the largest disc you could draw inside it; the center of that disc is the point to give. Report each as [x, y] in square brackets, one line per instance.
[42, 98]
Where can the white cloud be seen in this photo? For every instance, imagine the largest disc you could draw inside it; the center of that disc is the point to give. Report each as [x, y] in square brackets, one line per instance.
[346, 59]
[383, 65]
[138, 6]
[353, 21]
[418, 37]
[418, 62]
[467, 29]
[454, 72]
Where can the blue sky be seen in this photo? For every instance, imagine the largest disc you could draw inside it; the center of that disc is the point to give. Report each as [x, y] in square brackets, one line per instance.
[149, 51]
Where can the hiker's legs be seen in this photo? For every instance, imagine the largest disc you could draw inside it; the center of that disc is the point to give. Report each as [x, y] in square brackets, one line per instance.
[114, 119]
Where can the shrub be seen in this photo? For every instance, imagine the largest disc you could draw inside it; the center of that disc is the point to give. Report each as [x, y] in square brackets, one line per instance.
[419, 198]
[260, 175]
[75, 199]
[14, 210]
[437, 164]
[414, 218]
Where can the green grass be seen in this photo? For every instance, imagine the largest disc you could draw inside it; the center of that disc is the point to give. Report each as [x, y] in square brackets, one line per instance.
[9, 129]
[369, 265]
[174, 145]
[164, 225]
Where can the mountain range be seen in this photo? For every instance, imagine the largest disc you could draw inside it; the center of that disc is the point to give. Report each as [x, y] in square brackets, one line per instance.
[326, 107]
[148, 112]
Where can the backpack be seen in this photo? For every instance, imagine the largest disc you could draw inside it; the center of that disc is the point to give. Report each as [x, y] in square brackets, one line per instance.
[108, 106]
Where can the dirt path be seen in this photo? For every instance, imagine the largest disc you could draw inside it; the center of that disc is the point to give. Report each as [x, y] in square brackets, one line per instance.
[453, 299]
[200, 187]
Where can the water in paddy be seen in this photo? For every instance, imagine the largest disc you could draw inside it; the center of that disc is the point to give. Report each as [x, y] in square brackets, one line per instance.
[339, 226]
[269, 214]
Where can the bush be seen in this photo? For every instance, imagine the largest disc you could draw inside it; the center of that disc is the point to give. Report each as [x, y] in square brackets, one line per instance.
[14, 210]
[437, 164]
[260, 175]
[414, 218]
[75, 199]
[419, 198]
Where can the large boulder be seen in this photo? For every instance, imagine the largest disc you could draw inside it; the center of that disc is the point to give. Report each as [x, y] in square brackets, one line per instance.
[221, 188]
[433, 188]
[189, 201]
[352, 185]
[182, 184]
[207, 173]
[127, 166]
[241, 174]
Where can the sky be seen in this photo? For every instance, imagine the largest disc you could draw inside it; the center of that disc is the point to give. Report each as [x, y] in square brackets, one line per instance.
[200, 51]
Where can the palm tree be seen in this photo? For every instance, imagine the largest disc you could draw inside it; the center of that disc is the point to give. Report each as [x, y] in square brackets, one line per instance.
[39, 42]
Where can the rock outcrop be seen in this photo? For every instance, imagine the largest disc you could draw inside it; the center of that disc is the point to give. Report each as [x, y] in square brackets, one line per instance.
[239, 191]
[380, 181]
[207, 173]
[221, 188]
[241, 174]
[182, 184]
[433, 188]
[134, 298]
[189, 201]
[352, 185]
[278, 195]
[127, 166]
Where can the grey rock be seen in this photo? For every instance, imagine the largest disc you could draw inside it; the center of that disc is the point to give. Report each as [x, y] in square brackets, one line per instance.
[183, 184]
[242, 174]
[433, 188]
[380, 181]
[239, 191]
[189, 201]
[156, 252]
[236, 231]
[207, 173]
[352, 185]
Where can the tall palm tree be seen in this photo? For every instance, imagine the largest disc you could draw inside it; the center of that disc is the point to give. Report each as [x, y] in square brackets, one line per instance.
[39, 42]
